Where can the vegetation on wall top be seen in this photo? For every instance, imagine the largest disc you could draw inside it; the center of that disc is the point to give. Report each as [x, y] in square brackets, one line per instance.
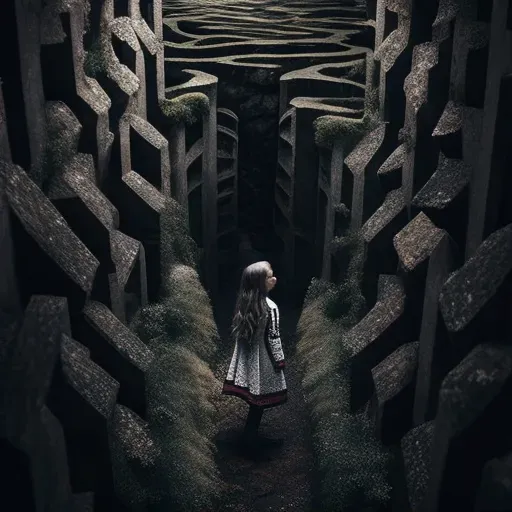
[330, 128]
[187, 108]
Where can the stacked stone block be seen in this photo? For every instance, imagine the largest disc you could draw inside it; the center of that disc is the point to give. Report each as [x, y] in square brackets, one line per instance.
[85, 173]
[441, 234]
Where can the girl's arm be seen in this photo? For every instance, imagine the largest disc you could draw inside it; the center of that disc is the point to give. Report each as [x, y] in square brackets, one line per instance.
[273, 338]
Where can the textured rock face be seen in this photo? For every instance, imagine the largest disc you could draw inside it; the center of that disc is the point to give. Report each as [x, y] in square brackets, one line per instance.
[405, 138]
[65, 156]
[443, 229]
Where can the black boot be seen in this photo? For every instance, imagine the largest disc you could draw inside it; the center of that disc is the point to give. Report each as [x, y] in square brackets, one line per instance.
[252, 424]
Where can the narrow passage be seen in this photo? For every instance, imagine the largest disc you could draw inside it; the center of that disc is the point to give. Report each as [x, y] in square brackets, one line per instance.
[276, 479]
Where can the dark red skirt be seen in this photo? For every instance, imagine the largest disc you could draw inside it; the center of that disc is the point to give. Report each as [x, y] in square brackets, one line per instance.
[265, 401]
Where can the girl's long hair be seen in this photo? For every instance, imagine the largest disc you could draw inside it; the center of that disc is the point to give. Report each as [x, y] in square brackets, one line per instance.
[251, 304]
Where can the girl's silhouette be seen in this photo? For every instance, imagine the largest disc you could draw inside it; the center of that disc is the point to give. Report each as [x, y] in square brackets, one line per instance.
[256, 373]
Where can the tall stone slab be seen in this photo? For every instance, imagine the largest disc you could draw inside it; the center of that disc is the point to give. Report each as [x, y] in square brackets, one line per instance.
[375, 337]
[9, 294]
[475, 300]
[378, 232]
[416, 459]
[393, 381]
[485, 180]
[83, 398]
[469, 419]
[22, 84]
[50, 259]
[63, 28]
[118, 351]
[32, 438]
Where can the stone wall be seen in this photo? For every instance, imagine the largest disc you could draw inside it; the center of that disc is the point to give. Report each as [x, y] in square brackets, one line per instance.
[266, 55]
[431, 361]
[87, 169]
[93, 144]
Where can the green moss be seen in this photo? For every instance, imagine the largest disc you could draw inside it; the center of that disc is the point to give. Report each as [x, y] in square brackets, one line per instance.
[187, 108]
[345, 300]
[342, 209]
[177, 246]
[351, 463]
[330, 129]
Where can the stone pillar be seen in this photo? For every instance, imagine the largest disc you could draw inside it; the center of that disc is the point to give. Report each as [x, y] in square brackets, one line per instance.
[209, 190]
[9, 295]
[334, 197]
[177, 150]
[362, 163]
[484, 198]
[432, 345]
[23, 93]
[26, 424]
[81, 93]
[470, 414]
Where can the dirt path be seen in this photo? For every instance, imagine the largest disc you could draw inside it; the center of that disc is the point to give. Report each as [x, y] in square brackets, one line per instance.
[276, 479]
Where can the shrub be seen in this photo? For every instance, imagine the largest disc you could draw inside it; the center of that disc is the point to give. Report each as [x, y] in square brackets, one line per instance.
[357, 70]
[346, 301]
[351, 462]
[315, 291]
[181, 330]
[184, 312]
[177, 246]
[187, 108]
[181, 413]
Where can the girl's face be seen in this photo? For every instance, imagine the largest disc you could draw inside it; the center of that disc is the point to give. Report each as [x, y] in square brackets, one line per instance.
[271, 280]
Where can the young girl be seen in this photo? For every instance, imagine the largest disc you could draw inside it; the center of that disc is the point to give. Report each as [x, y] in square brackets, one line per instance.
[256, 371]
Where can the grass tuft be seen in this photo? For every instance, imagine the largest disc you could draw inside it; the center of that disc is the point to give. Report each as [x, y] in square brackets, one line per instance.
[351, 463]
[329, 129]
[181, 388]
[181, 416]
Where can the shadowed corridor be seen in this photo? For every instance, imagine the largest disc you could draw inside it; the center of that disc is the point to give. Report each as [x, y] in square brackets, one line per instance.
[268, 478]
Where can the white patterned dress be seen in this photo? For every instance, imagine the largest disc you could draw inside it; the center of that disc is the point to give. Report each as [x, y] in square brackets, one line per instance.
[256, 373]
